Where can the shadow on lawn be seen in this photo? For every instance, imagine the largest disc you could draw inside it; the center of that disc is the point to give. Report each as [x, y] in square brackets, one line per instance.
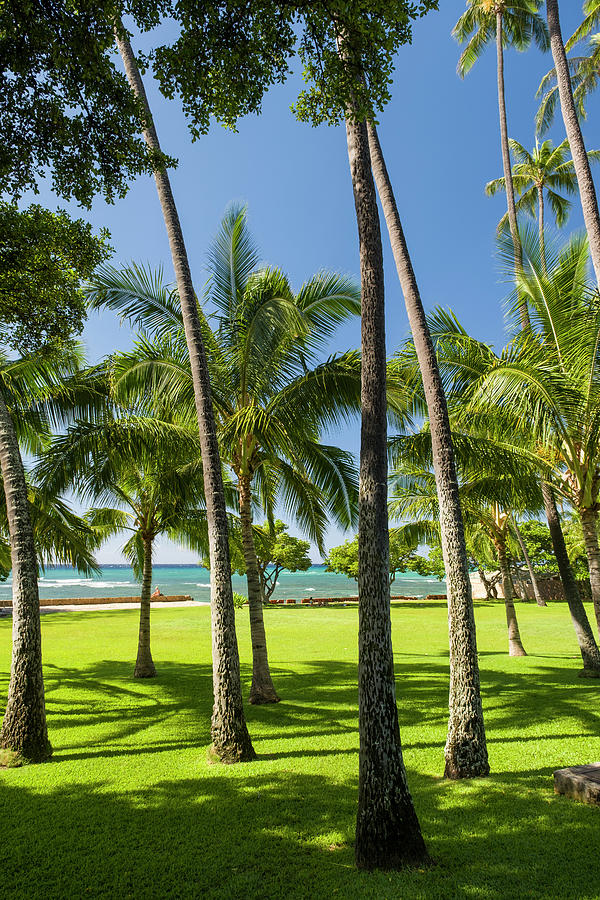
[263, 830]
[242, 833]
[120, 716]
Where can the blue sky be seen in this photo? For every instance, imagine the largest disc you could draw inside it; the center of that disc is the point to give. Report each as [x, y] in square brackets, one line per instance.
[441, 141]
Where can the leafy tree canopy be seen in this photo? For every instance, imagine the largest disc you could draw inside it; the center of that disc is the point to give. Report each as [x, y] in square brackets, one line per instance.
[222, 64]
[44, 257]
[64, 106]
[536, 536]
[403, 557]
[276, 551]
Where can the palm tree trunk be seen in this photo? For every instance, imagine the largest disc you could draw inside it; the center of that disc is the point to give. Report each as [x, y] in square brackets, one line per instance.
[388, 835]
[534, 582]
[262, 690]
[515, 646]
[583, 630]
[487, 585]
[508, 178]
[144, 666]
[466, 749]
[541, 226]
[587, 191]
[231, 741]
[24, 730]
[589, 524]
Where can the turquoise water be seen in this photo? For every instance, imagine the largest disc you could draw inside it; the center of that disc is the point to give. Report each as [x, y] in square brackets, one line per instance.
[118, 581]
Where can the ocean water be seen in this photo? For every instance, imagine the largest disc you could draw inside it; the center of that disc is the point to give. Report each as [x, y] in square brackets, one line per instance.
[118, 581]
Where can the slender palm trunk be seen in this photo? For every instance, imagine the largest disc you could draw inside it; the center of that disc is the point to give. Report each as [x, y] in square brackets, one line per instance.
[587, 191]
[541, 226]
[388, 835]
[231, 741]
[144, 665]
[490, 591]
[508, 178]
[515, 646]
[466, 750]
[262, 690]
[583, 630]
[24, 730]
[589, 525]
[534, 582]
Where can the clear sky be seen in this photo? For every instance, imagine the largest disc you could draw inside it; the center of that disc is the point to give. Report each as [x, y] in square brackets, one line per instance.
[440, 137]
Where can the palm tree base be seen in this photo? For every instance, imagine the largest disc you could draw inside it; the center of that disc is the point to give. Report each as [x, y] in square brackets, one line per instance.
[259, 696]
[588, 673]
[12, 759]
[145, 670]
[516, 650]
[230, 754]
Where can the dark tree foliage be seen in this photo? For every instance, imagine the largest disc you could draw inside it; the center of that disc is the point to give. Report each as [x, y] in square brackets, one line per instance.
[44, 257]
[227, 55]
[64, 106]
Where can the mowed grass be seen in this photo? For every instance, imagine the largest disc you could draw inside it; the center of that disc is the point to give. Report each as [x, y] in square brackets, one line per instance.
[129, 806]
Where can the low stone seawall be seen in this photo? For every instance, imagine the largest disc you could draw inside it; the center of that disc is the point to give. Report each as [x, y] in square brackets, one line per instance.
[324, 601]
[93, 601]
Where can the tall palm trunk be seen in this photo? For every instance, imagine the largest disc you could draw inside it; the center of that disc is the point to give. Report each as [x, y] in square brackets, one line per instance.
[508, 178]
[388, 835]
[262, 690]
[587, 191]
[231, 741]
[589, 525]
[144, 665]
[541, 227]
[466, 750]
[24, 730]
[515, 645]
[534, 582]
[583, 630]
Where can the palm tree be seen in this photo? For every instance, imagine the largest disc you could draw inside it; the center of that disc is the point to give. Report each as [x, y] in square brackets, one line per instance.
[584, 70]
[545, 169]
[466, 750]
[149, 471]
[494, 480]
[587, 190]
[270, 404]
[509, 23]
[32, 396]
[231, 741]
[509, 393]
[388, 834]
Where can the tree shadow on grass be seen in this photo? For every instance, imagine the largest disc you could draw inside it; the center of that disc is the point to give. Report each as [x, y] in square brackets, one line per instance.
[238, 832]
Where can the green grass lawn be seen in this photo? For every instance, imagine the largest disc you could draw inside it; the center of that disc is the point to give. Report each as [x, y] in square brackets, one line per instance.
[129, 807]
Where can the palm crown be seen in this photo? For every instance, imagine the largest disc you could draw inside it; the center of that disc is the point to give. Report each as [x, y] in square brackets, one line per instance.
[584, 70]
[271, 396]
[546, 170]
[521, 24]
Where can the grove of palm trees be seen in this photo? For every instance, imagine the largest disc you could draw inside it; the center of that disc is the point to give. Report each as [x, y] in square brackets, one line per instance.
[276, 278]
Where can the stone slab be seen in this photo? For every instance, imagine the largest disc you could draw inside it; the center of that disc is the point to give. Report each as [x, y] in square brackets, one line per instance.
[579, 782]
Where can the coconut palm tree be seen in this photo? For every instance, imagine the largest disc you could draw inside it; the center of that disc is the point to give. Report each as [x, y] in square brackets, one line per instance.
[513, 23]
[271, 399]
[489, 391]
[494, 480]
[585, 182]
[147, 478]
[231, 741]
[584, 70]
[545, 170]
[466, 750]
[562, 380]
[385, 808]
[33, 393]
